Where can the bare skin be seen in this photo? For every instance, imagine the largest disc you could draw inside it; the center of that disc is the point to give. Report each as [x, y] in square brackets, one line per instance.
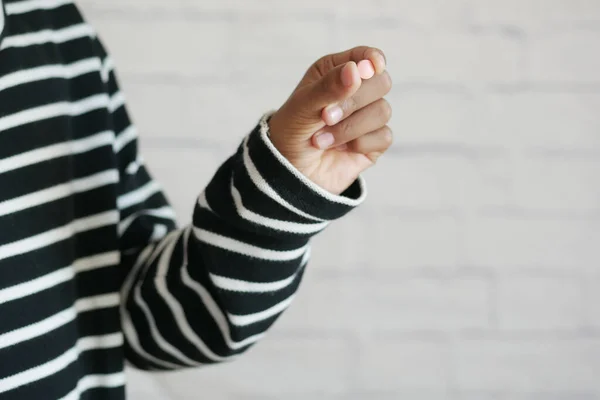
[334, 125]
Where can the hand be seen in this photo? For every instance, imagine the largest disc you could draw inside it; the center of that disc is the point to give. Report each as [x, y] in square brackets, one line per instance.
[334, 125]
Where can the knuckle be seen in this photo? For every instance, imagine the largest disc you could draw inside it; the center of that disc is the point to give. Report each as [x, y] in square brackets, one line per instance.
[328, 85]
[349, 105]
[377, 50]
[346, 127]
[355, 146]
[324, 64]
[374, 156]
[386, 82]
[388, 137]
[385, 110]
[358, 52]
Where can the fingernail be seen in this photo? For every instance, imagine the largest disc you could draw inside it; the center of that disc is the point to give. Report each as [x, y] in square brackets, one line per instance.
[366, 69]
[324, 140]
[347, 77]
[334, 114]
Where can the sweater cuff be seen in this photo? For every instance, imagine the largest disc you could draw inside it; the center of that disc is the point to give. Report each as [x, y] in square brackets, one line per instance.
[295, 188]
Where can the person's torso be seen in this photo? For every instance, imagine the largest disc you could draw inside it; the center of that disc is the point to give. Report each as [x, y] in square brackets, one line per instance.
[60, 334]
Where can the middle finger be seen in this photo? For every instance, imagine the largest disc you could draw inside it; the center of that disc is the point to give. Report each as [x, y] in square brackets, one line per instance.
[370, 91]
[367, 119]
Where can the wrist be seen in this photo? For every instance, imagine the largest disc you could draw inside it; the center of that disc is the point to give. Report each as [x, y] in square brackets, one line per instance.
[285, 142]
[290, 179]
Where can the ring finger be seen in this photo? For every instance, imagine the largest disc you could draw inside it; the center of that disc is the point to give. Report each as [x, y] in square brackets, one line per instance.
[377, 141]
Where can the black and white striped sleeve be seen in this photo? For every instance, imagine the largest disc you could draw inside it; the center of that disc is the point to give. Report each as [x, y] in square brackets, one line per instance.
[207, 292]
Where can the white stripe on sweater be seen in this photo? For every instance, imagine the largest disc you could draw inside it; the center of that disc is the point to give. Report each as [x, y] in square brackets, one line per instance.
[57, 320]
[138, 195]
[59, 191]
[48, 36]
[211, 304]
[57, 364]
[57, 277]
[203, 202]
[134, 166]
[36, 285]
[39, 372]
[127, 136]
[57, 150]
[163, 212]
[110, 258]
[101, 341]
[22, 7]
[107, 66]
[160, 341]
[95, 381]
[129, 328]
[276, 224]
[57, 234]
[67, 71]
[249, 319]
[246, 249]
[176, 308]
[39, 328]
[116, 100]
[236, 285]
[208, 302]
[97, 302]
[264, 187]
[40, 113]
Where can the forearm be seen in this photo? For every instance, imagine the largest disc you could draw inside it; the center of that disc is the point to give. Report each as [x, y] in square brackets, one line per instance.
[206, 293]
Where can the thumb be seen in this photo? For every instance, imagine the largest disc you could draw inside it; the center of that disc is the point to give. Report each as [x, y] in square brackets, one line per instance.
[337, 85]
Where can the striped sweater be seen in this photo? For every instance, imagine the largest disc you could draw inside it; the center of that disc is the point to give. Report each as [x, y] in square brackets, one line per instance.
[94, 272]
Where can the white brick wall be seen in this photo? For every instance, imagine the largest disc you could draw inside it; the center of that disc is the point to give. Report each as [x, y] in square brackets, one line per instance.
[564, 56]
[540, 117]
[529, 365]
[536, 303]
[363, 305]
[473, 271]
